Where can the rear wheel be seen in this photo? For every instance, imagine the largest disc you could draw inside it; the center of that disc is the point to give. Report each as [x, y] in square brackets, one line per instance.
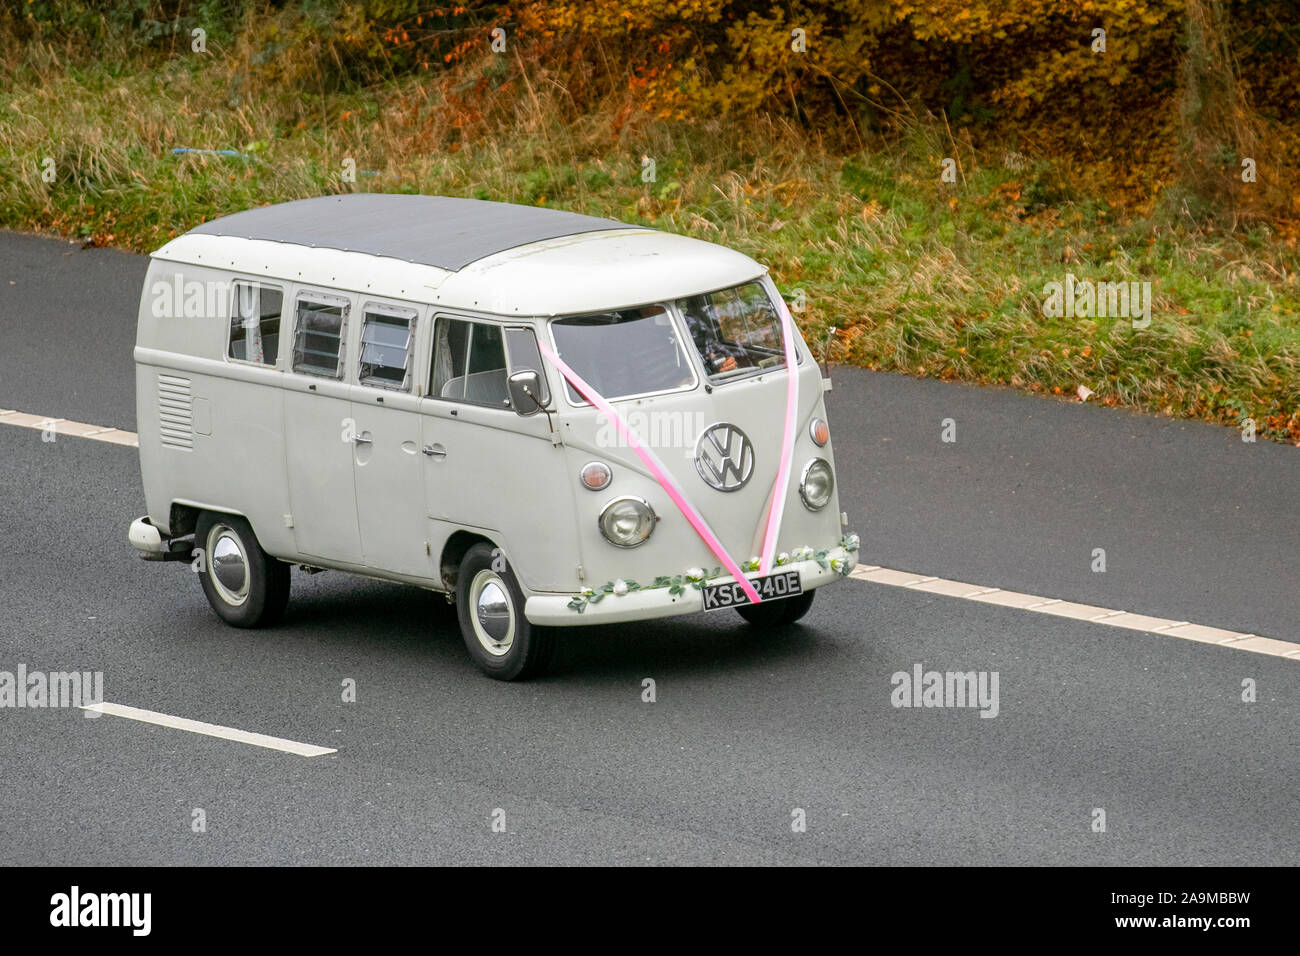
[490, 607]
[245, 585]
[778, 613]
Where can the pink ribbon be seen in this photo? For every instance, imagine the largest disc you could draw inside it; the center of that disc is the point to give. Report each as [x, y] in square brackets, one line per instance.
[787, 441]
[661, 475]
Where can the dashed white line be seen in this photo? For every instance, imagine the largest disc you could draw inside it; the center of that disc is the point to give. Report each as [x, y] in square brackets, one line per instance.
[62, 426]
[1057, 607]
[874, 573]
[210, 730]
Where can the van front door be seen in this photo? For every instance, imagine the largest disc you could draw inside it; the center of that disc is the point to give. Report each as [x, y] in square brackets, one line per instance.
[488, 468]
[388, 466]
[317, 409]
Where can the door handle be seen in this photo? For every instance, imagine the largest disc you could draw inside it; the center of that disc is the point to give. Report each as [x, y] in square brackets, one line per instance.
[435, 451]
[358, 440]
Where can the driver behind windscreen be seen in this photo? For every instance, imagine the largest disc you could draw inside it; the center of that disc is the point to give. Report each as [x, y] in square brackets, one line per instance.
[719, 356]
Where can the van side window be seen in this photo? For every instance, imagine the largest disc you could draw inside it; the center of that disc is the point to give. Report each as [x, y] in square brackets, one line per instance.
[469, 363]
[255, 323]
[318, 335]
[386, 346]
[522, 346]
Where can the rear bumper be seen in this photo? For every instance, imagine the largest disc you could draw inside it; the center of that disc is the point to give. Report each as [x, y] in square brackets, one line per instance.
[553, 610]
[151, 545]
[147, 539]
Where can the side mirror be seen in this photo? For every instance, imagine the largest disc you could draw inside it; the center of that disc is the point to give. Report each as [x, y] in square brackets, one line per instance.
[525, 386]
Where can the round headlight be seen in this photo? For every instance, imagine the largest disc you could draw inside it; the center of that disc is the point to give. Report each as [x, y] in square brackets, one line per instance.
[626, 522]
[817, 484]
[595, 475]
[819, 431]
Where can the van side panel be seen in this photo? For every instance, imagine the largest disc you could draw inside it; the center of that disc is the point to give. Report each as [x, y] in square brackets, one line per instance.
[211, 430]
[499, 474]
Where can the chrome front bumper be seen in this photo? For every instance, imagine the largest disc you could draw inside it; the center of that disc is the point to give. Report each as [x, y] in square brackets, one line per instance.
[553, 610]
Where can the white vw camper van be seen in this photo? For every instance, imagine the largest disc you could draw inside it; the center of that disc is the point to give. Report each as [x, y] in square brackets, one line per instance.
[551, 418]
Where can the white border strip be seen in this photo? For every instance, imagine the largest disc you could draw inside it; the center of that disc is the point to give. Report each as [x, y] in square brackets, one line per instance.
[1079, 612]
[210, 730]
[61, 426]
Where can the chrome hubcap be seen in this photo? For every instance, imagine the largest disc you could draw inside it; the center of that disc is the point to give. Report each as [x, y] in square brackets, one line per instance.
[494, 615]
[227, 564]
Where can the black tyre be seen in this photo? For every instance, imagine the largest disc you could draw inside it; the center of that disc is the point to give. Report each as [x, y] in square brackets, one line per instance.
[245, 585]
[490, 608]
[778, 613]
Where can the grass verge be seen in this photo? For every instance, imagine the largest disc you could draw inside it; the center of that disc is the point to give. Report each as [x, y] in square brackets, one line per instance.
[914, 274]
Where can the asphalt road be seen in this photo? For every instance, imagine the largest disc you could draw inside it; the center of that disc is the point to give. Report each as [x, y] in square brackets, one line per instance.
[1196, 525]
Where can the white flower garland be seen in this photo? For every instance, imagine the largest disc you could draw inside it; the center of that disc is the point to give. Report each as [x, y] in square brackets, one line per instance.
[698, 577]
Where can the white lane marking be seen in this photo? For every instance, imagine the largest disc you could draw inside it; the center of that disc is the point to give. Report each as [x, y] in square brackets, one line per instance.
[1081, 612]
[863, 572]
[61, 426]
[210, 730]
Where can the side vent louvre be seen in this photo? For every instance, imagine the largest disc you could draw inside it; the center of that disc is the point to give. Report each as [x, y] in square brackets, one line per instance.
[175, 412]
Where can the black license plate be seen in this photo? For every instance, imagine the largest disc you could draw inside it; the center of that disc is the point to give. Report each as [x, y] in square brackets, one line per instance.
[780, 585]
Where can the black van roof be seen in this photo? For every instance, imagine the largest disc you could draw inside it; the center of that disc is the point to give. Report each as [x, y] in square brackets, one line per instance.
[435, 231]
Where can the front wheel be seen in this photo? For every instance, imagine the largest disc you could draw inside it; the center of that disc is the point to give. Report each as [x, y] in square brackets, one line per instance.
[245, 585]
[490, 607]
[778, 613]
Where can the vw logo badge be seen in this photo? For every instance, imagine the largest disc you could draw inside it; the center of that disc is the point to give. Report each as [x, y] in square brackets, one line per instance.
[724, 457]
